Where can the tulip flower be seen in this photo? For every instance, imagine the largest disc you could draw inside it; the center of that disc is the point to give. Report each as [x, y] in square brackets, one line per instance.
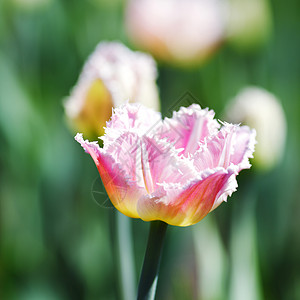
[183, 32]
[174, 170]
[112, 75]
[261, 110]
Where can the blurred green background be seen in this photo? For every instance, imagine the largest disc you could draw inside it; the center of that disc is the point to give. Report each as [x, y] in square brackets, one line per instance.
[56, 242]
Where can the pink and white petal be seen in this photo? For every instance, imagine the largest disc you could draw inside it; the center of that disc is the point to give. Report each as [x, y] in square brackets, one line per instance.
[122, 192]
[184, 206]
[244, 147]
[161, 163]
[231, 145]
[126, 150]
[188, 127]
[148, 162]
[132, 117]
[227, 190]
[216, 150]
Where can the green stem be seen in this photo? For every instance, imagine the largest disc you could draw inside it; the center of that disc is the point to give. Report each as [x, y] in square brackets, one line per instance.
[126, 265]
[149, 275]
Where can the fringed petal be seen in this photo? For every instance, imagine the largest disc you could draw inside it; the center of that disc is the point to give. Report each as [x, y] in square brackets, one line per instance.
[131, 118]
[244, 147]
[184, 206]
[164, 164]
[122, 191]
[188, 127]
[232, 145]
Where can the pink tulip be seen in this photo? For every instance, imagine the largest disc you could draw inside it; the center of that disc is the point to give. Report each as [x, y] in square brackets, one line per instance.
[183, 32]
[111, 75]
[175, 170]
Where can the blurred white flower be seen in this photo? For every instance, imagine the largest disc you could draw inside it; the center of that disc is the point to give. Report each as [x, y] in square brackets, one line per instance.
[179, 31]
[112, 75]
[261, 110]
[249, 23]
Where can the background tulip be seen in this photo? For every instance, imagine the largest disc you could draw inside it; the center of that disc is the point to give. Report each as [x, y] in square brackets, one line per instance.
[112, 75]
[261, 110]
[180, 32]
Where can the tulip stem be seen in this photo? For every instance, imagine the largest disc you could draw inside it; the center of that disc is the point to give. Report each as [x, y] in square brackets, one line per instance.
[126, 265]
[149, 275]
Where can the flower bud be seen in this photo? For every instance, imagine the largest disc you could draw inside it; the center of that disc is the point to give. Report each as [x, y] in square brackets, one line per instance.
[112, 75]
[261, 110]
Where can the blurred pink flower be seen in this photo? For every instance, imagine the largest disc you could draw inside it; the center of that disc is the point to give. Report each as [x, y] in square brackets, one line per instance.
[111, 75]
[179, 31]
[175, 170]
